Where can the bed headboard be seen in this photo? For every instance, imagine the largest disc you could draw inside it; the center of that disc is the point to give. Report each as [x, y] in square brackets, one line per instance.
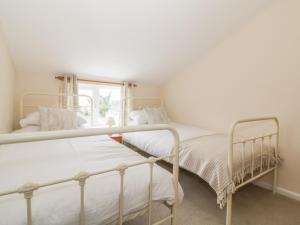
[30, 102]
[138, 103]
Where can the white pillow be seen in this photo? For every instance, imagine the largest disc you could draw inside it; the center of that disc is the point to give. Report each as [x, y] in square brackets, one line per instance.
[34, 119]
[154, 116]
[31, 119]
[137, 117]
[28, 129]
[57, 119]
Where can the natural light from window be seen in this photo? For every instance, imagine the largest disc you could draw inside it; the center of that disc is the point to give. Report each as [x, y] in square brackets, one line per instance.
[107, 103]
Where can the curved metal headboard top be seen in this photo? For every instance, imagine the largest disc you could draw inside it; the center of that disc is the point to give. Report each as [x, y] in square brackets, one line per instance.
[145, 99]
[23, 106]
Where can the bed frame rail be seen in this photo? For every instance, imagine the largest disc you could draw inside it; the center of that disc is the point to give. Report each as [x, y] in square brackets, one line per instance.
[29, 188]
[264, 140]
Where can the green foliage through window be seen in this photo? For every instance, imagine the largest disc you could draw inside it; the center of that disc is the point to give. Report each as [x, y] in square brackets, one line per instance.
[104, 104]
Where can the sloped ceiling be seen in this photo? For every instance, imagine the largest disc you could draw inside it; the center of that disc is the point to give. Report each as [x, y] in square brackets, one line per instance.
[142, 40]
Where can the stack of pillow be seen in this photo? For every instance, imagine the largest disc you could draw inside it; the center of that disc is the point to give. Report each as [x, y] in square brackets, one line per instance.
[47, 119]
[149, 116]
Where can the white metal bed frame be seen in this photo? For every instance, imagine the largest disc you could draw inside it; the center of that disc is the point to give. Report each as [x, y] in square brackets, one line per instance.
[254, 174]
[262, 171]
[59, 104]
[28, 189]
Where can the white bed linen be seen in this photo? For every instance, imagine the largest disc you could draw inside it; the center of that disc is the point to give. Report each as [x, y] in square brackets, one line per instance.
[46, 161]
[160, 143]
[57, 119]
[202, 152]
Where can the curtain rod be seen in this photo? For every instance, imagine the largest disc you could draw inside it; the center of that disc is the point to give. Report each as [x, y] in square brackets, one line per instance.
[96, 81]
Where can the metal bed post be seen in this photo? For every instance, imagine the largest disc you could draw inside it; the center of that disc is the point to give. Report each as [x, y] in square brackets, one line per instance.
[81, 178]
[175, 174]
[151, 165]
[230, 171]
[122, 168]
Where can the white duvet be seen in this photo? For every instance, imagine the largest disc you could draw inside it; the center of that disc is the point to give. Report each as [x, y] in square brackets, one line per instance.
[46, 161]
[202, 152]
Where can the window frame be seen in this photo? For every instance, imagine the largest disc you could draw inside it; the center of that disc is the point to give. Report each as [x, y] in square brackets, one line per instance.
[95, 87]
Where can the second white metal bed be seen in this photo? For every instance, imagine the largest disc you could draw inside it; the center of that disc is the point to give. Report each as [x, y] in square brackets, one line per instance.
[28, 190]
[258, 155]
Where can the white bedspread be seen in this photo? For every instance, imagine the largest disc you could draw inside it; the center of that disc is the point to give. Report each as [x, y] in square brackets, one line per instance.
[46, 161]
[202, 152]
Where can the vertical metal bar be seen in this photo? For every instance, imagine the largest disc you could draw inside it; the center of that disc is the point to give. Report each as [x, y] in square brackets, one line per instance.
[81, 178]
[28, 196]
[252, 157]
[243, 161]
[150, 194]
[230, 171]
[269, 151]
[122, 169]
[230, 158]
[175, 175]
[82, 211]
[261, 154]
[275, 175]
[121, 200]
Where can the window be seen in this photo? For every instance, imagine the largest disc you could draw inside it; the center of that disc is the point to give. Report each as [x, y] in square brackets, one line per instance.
[107, 103]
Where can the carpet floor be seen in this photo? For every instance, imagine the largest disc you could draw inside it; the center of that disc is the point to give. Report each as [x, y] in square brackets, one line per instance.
[251, 206]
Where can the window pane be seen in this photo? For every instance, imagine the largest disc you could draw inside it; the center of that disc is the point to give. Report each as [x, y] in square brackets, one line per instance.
[107, 103]
[85, 104]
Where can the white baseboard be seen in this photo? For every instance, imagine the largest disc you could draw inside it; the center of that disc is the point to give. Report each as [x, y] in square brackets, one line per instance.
[281, 191]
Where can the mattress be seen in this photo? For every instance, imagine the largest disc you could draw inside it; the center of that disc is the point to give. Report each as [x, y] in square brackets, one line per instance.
[204, 153]
[45, 161]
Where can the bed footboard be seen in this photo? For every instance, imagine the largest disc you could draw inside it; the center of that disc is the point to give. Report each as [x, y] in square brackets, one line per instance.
[28, 189]
[255, 171]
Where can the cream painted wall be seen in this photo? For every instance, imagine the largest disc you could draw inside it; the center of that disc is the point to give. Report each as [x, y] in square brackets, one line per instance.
[146, 90]
[7, 79]
[255, 72]
[44, 82]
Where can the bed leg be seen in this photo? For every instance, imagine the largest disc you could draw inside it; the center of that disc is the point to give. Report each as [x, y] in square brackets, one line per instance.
[275, 177]
[229, 209]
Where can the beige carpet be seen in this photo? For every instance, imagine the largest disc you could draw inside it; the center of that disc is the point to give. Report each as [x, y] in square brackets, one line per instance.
[251, 206]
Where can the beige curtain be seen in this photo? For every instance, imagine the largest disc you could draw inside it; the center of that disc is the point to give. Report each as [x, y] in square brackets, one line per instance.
[68, 89]
[128, 104]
